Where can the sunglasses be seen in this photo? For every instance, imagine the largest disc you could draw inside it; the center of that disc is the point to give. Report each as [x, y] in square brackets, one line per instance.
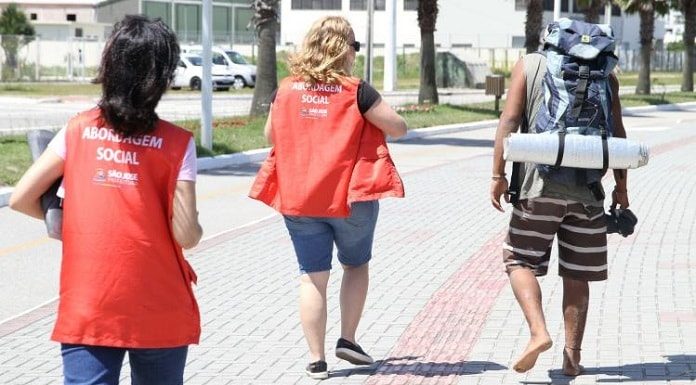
[355, 45]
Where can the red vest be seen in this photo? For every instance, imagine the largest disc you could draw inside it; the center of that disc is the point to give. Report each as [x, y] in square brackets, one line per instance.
[325, 154]
[124, 281]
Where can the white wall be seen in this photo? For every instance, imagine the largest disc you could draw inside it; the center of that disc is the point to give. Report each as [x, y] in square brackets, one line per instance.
[296, 23]
[481, 24]
[490, 23]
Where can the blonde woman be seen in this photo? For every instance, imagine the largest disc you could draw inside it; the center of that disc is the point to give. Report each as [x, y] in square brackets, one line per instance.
[328, 168]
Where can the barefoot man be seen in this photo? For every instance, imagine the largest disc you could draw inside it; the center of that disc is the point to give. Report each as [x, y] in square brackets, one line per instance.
[543, 210]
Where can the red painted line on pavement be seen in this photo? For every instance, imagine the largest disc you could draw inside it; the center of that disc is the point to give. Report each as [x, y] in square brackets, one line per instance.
[434, 347]
[28, 318]
[676, 316]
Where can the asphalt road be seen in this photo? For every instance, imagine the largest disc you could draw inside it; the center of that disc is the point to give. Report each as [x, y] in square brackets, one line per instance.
[21, 114]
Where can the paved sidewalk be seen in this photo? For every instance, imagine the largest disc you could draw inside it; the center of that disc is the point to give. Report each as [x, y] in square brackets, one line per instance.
[439, 310]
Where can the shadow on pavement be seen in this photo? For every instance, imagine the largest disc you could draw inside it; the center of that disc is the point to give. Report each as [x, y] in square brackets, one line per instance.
[248, 169]
[679, 367]
[459, 142]
[419, 368]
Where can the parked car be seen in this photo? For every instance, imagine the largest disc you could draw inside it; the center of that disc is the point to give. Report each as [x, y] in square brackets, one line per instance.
[189, 73]
[244, 73]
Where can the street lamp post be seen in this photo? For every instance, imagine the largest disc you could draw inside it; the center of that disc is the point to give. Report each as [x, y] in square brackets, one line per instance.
[390, 47]
[207, 82]
[368, 53]
[556, 10]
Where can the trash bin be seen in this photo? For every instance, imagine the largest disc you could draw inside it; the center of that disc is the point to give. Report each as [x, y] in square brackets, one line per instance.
[495, 85]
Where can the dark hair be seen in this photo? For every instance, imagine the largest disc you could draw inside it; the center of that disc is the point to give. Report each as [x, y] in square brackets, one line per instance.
[137, 65]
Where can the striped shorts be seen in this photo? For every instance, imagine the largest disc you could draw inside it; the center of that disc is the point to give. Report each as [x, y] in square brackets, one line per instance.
[582, 238]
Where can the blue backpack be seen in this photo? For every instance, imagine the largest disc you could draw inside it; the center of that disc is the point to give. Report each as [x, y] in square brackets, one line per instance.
[577, 95]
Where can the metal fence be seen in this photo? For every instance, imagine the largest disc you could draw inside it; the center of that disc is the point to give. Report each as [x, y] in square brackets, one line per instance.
[73, 59]
[77, 59]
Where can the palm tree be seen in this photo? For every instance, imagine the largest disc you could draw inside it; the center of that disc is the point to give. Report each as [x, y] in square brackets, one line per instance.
[533, 26]
[647, 9]
[592, 9]
[427, 17]
[15, 31]
[265, 21]
[688, 9]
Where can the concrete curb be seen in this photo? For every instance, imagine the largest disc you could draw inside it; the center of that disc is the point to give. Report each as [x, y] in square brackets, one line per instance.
[255, 156]
[5, 193]
[633, 111]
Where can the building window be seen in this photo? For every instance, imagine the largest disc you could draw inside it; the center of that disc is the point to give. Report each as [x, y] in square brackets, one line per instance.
[78, 32]
[410, 5]
[518, 41]
[548, 5]
[32, 16]
[615, 10]
[154, 9]
[316, 4]
[361, 5]
[222, 25]
[188, 23]
[71, 17]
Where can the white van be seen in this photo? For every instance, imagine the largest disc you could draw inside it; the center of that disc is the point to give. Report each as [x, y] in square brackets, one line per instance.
[189, 73]
[244, 73]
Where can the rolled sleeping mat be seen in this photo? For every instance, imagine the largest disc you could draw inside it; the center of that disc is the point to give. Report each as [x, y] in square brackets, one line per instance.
[50, 202]
[581, 151]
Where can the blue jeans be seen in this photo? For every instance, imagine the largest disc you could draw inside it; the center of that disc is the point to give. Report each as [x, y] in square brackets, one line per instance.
[313, 237]
[100, 365]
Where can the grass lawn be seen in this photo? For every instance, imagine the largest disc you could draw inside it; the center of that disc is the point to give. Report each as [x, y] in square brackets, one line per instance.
[657, 79]
[14, 158]
[237, 134]
[409, 80]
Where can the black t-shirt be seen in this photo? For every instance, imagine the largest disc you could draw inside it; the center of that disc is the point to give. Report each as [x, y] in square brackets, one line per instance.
[367, 96]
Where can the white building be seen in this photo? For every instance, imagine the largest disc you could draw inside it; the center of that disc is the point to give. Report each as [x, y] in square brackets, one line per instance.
[674, 27]
[460, 23]
[61, 20]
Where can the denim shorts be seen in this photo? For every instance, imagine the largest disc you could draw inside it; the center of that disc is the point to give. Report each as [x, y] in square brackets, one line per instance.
[313, 237]
[86, 365]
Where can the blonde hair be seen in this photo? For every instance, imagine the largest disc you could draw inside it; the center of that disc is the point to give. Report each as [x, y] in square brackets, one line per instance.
[324, 50]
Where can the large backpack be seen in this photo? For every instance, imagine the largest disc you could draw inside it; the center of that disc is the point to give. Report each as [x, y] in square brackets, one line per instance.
[577, 95]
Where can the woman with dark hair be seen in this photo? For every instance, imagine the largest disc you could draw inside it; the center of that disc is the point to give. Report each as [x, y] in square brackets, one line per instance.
[129, 208]
[328, 168]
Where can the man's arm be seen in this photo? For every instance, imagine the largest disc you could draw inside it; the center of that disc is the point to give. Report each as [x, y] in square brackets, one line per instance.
[620, 193]
[510, 120]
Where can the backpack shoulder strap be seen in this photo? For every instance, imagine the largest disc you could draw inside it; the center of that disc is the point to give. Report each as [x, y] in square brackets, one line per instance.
[515, 177]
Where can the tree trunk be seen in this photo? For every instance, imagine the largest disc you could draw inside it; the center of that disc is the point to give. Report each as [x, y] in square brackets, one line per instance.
[266, 71]
[427, 94]
[647, 27]
[532, 28]
[593, 10]
[688, 9]
[427, 18]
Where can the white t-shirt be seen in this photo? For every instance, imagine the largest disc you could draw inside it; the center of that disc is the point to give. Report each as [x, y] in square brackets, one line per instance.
[187, 172]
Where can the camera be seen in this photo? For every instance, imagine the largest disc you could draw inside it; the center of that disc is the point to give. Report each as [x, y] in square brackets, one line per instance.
[621, 221]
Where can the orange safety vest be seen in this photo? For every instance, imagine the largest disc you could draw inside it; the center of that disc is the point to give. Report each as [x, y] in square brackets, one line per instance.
[124, 281]
[325, 154]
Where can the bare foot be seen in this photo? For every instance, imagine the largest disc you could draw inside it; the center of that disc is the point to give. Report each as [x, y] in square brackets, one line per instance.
[571, 362]
[536, 346]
